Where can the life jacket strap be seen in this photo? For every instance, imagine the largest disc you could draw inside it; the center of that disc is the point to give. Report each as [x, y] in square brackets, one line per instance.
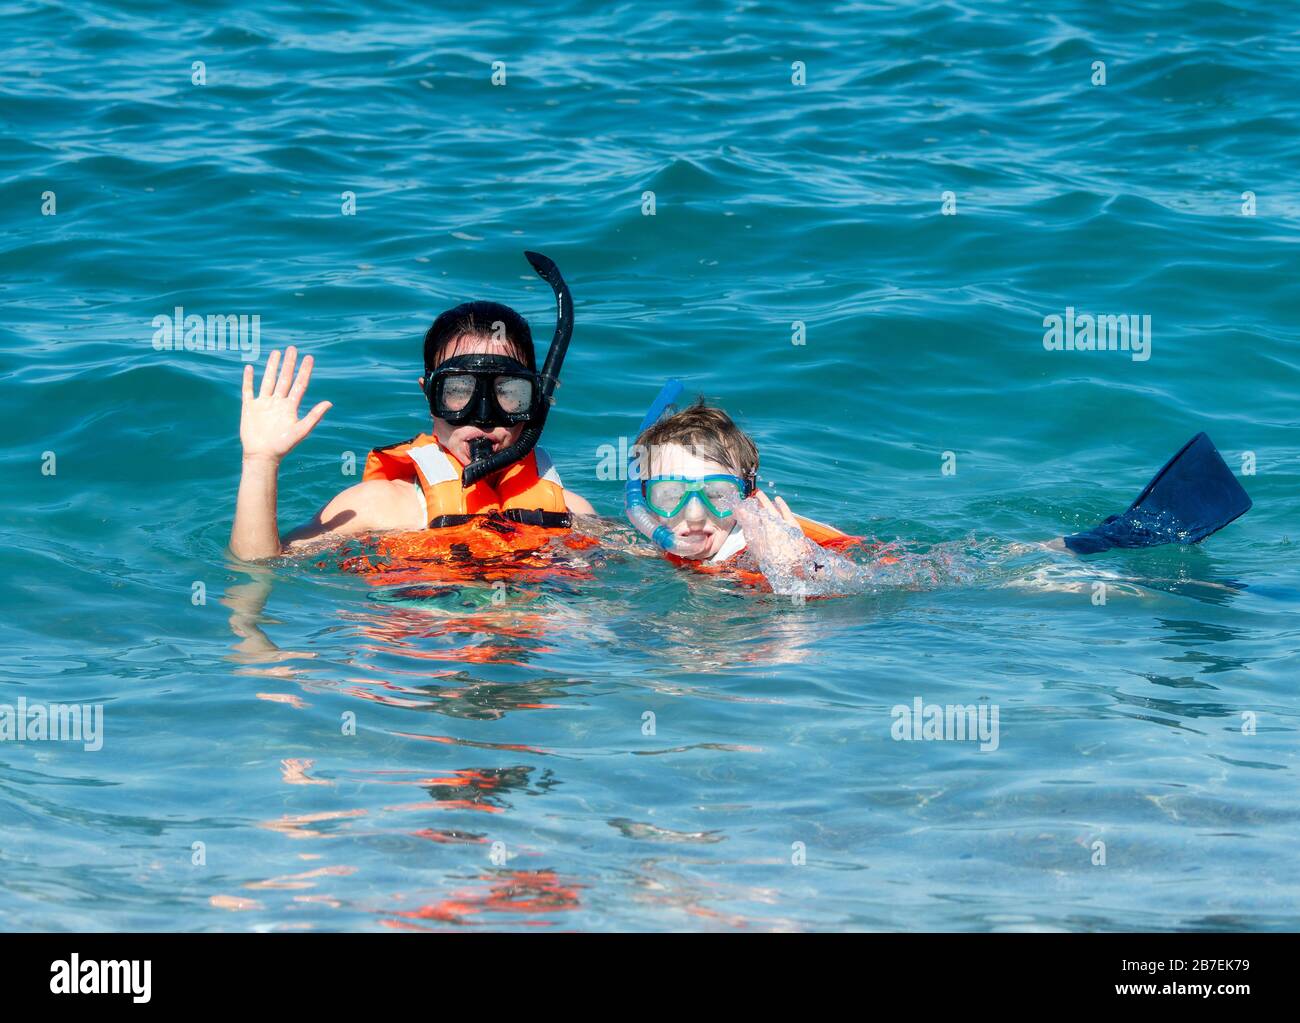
[496, 519]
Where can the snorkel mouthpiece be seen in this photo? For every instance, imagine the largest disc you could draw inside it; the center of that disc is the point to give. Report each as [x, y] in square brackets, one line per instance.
[549, 378]
[480, 450]
[634, 503]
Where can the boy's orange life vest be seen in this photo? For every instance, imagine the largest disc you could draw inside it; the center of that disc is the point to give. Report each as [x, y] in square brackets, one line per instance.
[529, 485]
[820, 533]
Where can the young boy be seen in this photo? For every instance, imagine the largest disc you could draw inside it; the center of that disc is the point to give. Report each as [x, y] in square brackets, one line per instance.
[701, 464]
[698, 462]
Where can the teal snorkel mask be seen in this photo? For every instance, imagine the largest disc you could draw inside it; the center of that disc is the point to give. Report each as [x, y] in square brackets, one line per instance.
[668, 496]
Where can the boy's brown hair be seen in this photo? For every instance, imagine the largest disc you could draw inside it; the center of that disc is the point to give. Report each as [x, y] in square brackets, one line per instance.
[707, 432]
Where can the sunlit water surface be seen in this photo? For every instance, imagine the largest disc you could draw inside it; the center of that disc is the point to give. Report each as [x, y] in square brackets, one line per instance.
[617, 744]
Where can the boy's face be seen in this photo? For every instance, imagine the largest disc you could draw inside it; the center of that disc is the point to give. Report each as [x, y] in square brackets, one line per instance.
[693, 523]
[457, 439]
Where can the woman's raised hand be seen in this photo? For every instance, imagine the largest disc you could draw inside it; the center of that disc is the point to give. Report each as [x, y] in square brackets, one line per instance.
[269, 427]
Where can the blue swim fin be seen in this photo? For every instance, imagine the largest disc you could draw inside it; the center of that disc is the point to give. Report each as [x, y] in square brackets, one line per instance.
[1194, 495]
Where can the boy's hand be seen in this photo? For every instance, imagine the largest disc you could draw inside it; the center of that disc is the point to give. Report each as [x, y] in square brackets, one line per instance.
[777, 540]
[269, 427]
[781, 547]
[779, 508]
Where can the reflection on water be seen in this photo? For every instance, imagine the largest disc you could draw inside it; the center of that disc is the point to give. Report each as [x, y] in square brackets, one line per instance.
[509, 897]
[513, 670]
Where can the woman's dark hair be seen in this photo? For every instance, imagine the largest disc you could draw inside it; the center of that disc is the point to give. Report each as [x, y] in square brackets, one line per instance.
[481, 320]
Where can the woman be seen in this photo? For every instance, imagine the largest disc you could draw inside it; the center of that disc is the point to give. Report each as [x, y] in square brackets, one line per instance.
[488, 404]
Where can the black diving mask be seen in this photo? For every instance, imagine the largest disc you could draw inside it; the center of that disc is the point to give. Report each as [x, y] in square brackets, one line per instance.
[485, 390]
[492, 390]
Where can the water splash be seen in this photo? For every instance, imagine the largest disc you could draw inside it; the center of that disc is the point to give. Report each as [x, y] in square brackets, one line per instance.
[796, 566]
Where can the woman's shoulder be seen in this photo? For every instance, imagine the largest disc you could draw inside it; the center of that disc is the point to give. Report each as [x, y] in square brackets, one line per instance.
[378, 504]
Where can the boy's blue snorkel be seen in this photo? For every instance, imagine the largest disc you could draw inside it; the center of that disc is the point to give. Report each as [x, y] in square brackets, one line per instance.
[634, 502]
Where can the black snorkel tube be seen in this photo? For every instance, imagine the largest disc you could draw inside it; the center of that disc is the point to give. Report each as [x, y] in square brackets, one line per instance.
[548, 380]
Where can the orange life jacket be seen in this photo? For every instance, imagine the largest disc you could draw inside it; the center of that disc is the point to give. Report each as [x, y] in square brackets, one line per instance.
[501, 529]
[483, 549]
[529, 485]
[820, 533]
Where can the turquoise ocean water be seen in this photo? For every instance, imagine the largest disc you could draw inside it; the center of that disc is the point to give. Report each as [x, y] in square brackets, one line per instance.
[500, 774]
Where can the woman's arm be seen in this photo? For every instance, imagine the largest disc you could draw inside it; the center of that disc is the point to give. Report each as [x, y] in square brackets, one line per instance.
[269, 428]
